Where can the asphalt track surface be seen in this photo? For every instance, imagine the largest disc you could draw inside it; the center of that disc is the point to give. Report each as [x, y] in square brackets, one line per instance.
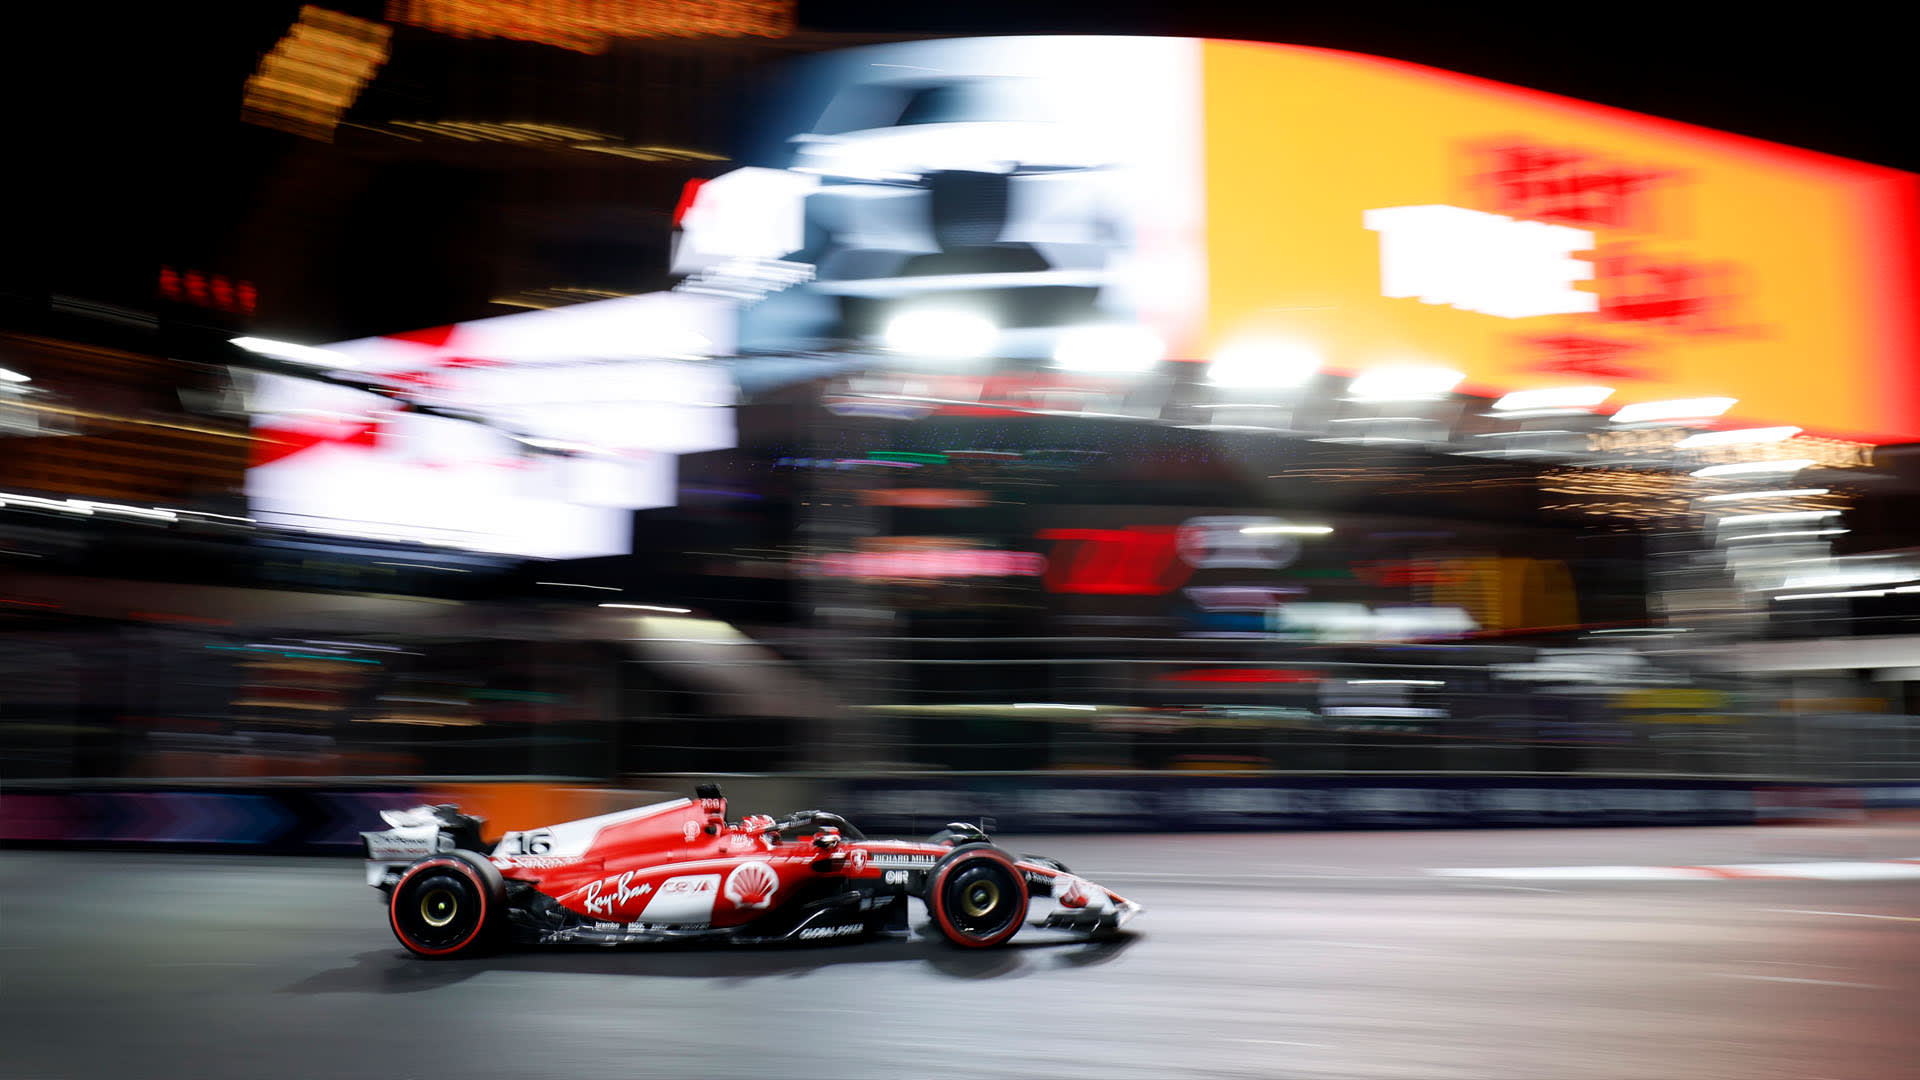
[1293, 955]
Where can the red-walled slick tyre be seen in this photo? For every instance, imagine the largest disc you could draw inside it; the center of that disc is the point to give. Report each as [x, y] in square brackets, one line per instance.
[977, 897]
[447, 905]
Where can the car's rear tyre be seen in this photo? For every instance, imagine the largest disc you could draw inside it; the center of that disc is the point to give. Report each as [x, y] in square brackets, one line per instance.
[977, 897]
[447, 905]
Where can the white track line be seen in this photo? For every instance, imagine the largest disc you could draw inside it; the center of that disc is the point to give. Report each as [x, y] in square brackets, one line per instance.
[1881, 870]
[1804, 982]
[1842, 914]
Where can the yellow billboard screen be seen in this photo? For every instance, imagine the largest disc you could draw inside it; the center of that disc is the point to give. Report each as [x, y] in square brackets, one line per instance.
[1377, 213]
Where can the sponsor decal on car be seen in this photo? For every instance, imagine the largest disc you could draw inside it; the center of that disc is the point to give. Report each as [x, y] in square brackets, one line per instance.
[684, 899]
[751, 885]
[533, 862]
[600, 899]
[814, 932]
[888, 858]
[398, 844]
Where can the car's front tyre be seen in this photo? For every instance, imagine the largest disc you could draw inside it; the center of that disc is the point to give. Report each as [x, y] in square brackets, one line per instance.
[447, 905]
[977, 897]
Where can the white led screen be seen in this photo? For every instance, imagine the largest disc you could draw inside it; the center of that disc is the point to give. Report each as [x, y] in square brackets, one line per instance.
[577, 416]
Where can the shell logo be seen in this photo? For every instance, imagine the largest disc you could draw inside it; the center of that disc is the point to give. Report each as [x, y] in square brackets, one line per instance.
[751, 885]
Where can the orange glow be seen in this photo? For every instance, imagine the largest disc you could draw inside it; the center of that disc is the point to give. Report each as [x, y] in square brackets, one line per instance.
[314, 75]
[926, 498]
[1719, 266]
[588, 26]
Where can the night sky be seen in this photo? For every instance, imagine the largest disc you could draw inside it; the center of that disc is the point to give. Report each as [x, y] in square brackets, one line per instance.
[132, 154]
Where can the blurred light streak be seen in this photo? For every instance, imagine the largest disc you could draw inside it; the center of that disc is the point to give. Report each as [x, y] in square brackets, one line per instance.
[946, 334]
[651, 607]
[1564, 397]
[1053, 705]
[1401, 382]
[221, 517]
[1264, 365]
[1782, 493]
[294, 354]
[1124, 349]
[1850, 594]
[1754, 468]
[555, 444]
[1286, 530]
[131, 511]
[1783, 515]
[651, 153]
[1676, 409]
[1396, 682]
[12, 376]
[1738, 437]
[573, 585]
[109, 418]
[1844, 580]
[1791, 535]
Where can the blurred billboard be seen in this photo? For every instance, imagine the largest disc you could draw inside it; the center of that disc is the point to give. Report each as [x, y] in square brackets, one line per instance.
[532, 435]
[1382, 212]
[1313, 208]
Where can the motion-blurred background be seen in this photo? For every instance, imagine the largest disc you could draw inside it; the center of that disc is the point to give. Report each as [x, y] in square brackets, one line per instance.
[1091, 420]
[1090, 432]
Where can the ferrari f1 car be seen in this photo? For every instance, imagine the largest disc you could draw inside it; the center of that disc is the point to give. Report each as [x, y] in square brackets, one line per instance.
[680, 871]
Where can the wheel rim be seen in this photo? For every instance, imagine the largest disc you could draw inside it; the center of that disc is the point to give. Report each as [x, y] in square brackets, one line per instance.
[437, 911]
[981, 898]
[438, 907]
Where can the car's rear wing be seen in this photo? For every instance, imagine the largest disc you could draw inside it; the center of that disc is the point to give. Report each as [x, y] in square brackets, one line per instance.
[414, 834]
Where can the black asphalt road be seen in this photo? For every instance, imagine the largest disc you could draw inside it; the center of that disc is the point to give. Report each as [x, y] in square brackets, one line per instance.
[1306, 955]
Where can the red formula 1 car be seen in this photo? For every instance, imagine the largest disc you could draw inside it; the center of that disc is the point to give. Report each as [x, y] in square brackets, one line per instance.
[680, 871]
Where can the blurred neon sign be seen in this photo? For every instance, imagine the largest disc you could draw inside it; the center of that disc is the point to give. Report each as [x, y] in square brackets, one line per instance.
[216, 291]
[1482, 262]
[930, 564]
[1567, 186]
